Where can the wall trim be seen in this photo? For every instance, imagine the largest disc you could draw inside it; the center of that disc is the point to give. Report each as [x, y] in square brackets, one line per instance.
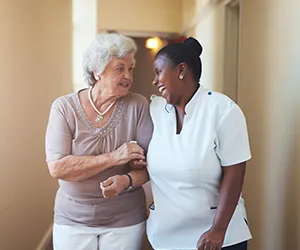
[144, 34]
[44, 243]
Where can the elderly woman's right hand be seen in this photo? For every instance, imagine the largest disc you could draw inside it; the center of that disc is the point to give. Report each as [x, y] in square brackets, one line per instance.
[127, 152]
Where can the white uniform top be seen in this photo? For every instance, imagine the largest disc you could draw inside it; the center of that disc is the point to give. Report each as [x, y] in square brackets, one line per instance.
[185, 169]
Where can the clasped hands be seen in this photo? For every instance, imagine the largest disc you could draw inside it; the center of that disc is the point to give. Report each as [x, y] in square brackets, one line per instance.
[129, 152]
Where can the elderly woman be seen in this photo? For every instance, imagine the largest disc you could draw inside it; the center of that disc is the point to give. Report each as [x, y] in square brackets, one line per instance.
[96, 142]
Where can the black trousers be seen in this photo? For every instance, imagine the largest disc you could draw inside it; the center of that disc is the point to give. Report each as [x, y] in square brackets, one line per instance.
[240, 246]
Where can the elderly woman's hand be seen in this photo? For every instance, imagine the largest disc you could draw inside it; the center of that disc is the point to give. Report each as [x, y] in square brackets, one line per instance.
[127, 152]
[114, 185]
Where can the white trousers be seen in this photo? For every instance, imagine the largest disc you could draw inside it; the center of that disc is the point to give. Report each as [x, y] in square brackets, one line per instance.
[100, 238]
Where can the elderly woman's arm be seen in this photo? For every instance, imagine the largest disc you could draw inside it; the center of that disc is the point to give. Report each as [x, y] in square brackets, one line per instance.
[139, 177]
[79, 168]
[114, 185]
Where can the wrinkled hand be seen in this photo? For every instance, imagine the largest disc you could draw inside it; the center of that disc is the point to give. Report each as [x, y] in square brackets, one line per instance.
[114, 185]
[137, 164]
[211, 240]
[127, 152]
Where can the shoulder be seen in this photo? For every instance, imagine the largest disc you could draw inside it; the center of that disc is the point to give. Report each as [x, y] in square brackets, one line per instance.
[136, 99]
[157, 104]
[63, 103]
[219, 103]
[217, 100]
[136, 105]
[157, 101]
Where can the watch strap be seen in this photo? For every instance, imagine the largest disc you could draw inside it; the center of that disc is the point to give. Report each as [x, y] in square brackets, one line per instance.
[130, 182]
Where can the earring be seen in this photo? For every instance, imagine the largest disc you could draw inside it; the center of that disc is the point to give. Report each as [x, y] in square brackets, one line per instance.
[181, 76]
[97, 78]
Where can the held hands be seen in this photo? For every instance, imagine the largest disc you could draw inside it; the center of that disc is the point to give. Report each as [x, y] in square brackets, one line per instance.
[114, 185]
[211, 240]
[137, 164]
[129, 151]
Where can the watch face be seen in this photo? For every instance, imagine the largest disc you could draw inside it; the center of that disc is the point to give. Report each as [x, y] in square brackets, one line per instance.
[129, 188]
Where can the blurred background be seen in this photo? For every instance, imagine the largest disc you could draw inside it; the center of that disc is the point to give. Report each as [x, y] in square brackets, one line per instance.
[251, 53]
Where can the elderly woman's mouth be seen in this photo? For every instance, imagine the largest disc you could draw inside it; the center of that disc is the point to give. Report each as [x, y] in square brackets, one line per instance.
[125, 85]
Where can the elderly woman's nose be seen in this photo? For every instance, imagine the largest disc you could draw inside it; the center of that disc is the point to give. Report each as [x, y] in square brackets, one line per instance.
[155, 81]
[128, 74]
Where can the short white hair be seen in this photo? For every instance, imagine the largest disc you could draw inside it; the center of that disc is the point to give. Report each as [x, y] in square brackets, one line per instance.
[102, 50]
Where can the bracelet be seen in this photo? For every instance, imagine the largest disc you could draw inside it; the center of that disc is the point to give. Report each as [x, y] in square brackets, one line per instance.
[130, 187]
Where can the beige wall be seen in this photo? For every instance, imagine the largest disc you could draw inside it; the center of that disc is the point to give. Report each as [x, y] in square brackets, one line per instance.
[35, 67]
[85, 28]
[269, 80]
[140, 15]
[210, 33]
[188, 14]
[269, 86]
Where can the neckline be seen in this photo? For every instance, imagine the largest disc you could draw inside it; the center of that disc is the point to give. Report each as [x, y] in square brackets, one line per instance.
[188, 110]
[191, 104]
[117, 113]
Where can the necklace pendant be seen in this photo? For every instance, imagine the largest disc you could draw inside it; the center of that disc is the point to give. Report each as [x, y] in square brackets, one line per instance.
[99, 118]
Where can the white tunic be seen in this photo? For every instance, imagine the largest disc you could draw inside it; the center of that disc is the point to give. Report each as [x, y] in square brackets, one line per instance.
[185, 169]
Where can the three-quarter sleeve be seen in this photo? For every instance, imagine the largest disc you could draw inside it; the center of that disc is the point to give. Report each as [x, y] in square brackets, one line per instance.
[58, 134]
[232, 137]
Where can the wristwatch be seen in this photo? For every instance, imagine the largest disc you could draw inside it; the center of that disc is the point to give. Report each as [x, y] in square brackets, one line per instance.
[130, 187]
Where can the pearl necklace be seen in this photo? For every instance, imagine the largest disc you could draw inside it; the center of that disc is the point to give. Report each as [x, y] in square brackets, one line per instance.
[100, 115]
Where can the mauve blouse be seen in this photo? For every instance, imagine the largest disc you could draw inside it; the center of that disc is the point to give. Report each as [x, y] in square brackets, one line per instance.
[69, 132]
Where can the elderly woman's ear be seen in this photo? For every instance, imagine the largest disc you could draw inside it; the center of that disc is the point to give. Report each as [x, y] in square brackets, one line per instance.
[96, 76]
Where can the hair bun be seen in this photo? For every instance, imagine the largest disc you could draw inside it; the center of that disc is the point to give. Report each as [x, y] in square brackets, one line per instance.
[194, 45]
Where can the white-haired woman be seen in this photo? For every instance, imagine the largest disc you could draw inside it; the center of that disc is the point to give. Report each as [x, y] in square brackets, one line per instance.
[96, 142]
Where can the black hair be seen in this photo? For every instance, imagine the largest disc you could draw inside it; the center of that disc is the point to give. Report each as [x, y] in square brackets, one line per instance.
[187, 52]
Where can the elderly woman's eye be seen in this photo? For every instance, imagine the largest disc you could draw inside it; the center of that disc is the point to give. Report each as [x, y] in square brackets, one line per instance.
[121, 69]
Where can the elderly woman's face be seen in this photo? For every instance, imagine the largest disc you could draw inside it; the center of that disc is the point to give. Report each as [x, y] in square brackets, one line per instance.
[116, 79]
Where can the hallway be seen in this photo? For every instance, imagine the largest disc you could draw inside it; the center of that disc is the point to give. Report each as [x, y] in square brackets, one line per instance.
[251, 53]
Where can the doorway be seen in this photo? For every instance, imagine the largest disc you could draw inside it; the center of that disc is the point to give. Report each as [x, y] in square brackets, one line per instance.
[232, 48]
[143, 73]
